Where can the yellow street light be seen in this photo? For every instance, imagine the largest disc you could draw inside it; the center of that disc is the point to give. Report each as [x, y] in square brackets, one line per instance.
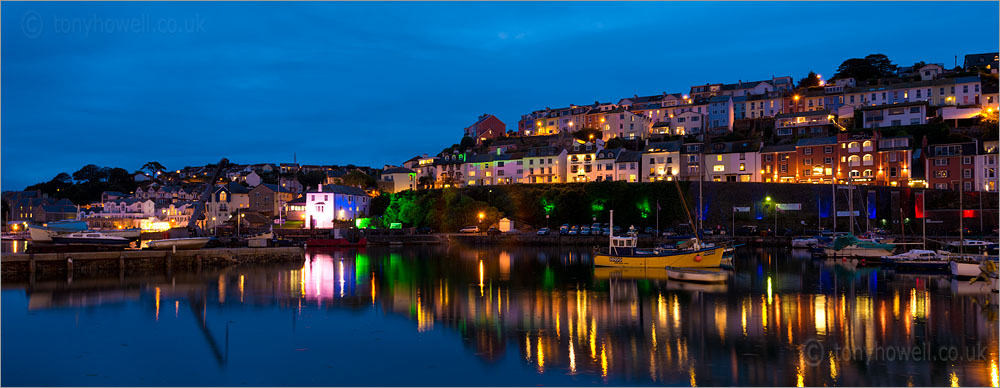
[482, 215]
[795, 97]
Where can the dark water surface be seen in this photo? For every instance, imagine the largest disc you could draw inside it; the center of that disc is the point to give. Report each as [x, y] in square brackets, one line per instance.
[501, 316]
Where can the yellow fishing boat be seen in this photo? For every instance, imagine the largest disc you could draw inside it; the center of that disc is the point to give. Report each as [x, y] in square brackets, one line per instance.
[629, 256]
[622, 252]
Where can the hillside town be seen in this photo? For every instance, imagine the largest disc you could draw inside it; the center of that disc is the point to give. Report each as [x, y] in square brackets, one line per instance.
[921, 126]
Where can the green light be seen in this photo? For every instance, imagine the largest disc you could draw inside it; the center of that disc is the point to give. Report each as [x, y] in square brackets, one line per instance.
[362, 223]
[768, 199]
[597, 206]
[395, 225]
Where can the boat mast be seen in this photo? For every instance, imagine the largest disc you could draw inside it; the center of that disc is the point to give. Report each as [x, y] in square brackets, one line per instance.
[687, 211]
[961, 206]
[611, 235]
[923, 211]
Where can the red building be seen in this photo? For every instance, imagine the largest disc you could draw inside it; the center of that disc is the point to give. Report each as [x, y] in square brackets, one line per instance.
[778, 163]
[950, 166]
[487, 127]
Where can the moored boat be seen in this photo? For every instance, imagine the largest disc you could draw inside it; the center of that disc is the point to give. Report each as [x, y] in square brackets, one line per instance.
[696, 275]
[44, 232]
[622, 252]
[804, 242]
[178, 243]
[89, 238]
[851, 246]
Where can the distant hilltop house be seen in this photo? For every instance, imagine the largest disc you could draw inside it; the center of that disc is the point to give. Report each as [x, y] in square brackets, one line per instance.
[486, 127]
[985, 61]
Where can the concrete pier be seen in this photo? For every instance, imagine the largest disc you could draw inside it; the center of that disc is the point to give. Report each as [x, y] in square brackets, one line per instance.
[25, 266]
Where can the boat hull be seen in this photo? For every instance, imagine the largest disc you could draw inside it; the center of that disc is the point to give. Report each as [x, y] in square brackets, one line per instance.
[852, 251]
[185, 243]
[89, 241]
[705, 258]
[962, 269]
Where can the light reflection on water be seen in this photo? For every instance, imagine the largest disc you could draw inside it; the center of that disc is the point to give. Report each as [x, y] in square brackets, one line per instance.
[522, 316]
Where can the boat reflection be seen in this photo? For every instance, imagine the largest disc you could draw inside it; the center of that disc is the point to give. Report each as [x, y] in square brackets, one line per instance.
[617, 325]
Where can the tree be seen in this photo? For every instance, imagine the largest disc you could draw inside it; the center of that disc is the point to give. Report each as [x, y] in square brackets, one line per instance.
[153, 167]
[425, 182]
[870, 67]
[357, 178]
[586, 134]
[882, 65]
[809, 81]
[613, 143]
[88, 173]
[311, 179]
[467, 142]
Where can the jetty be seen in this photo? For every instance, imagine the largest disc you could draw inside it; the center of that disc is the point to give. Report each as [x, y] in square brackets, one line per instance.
[29, 266]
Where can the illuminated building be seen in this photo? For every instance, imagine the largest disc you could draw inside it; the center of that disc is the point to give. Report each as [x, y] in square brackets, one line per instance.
[331, 203]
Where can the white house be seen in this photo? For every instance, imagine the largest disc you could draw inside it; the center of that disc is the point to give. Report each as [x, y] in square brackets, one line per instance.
[661, 161]
[986, 167]
[894, 115]
[627, 166]
[332, 203]
[736, 161]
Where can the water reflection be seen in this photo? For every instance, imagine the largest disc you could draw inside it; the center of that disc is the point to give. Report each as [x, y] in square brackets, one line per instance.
[781, 319]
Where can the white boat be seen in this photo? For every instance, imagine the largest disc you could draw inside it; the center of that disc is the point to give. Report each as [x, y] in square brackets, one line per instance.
[970, 246]
[920, 259]
[89, 238]
[804, 242]
[696, 275]
[850, 246]
[178, 243]
[44, 232]
[971, 266]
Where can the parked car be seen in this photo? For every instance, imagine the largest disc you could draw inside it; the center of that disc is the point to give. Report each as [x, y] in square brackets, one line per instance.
[747, 230]
[492, 231]
[596, 225]
[584, 230]
[469, 229]
[707, 232]
[573, 231]
[425, 230]
[564, 229]
[544, 232]
[512, 231]
[605, 231]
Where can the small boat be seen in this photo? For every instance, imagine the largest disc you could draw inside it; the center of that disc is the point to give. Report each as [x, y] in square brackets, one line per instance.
[44, 232]
[696, 275]
[335, 243]
[178, 243]
[89, 238]
[804, 242]
[917, 259]
[970, 266]
[851, 246]
[970, 246]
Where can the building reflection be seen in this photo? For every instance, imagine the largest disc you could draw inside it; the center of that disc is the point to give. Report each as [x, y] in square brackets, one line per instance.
[562, 316]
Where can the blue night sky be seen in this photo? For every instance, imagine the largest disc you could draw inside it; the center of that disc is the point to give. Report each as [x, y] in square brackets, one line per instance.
[377, 83]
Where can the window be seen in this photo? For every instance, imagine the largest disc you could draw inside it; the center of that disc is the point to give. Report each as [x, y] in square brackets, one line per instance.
[941, 174]
[966, 160]
[807, 151]
[827, 160]
[967, 173]
[719, 168]
[807, 162]
[828, 150]
[892, 172]
[743, 167]
[941, 162]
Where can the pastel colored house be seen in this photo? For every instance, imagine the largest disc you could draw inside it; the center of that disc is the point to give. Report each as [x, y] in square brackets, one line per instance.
[332, 203]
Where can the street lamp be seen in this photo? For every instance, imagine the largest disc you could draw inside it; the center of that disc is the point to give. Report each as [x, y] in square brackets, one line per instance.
[481, 216]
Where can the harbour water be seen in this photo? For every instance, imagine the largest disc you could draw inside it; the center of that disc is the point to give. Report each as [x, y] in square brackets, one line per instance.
[501, 316]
